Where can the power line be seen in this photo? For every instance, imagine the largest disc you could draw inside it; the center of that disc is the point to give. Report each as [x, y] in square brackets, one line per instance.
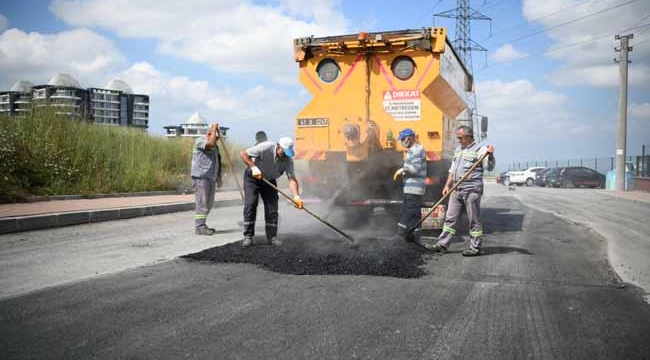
[641, 28]
[491, 5]
[425, 14]
[596, 39]
[642, 20]
[537, 19]
[569, 22]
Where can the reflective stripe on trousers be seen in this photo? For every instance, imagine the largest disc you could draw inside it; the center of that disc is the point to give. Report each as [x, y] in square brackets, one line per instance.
[203, 199]
[410, 214]
[469, 201]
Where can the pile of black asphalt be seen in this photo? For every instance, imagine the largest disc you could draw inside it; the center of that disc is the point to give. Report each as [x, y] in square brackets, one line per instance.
[321, 255]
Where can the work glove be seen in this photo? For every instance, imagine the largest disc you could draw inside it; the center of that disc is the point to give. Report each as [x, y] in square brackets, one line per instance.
[297, 202]
[397, 173]
[256, 173]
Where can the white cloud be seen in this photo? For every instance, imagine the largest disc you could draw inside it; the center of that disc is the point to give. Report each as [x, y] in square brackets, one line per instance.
[231, 37]
[602, 76]
[93, 60]
[174, 98]
[586, 46]
[516, 97]
[37, 57]
[639, 110]
[507, 53]
[4, 22]
[525, 119]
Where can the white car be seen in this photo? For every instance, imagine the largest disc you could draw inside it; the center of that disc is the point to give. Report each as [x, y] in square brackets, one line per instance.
[523, 177]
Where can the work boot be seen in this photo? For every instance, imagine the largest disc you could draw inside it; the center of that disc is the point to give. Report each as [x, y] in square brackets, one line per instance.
[472, 251]
[274, 241]
[248, 241]
[204, 230]
[435, 248]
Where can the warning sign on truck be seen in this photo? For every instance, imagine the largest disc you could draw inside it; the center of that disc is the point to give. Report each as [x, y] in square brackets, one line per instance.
[403, 105]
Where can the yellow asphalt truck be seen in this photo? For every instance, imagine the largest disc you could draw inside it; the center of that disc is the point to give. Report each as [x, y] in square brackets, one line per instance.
[365, 89]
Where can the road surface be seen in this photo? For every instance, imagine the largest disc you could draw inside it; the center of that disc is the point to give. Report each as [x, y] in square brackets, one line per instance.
[543, 290]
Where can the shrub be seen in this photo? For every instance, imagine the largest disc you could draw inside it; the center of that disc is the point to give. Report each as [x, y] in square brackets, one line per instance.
[46, 154]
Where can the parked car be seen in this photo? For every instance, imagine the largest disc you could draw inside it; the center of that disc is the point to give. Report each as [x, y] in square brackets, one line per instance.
[524, 177]
[501, 177]
[540, 177]
[575, 176]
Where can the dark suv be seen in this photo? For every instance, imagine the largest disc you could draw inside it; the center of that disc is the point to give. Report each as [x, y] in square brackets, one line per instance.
[575, 176]
[540, 177]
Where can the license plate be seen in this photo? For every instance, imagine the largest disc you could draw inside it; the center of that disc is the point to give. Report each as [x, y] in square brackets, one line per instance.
[312, 122]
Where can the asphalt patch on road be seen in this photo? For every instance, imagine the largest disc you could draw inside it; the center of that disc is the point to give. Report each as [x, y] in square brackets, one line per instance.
[317, 255]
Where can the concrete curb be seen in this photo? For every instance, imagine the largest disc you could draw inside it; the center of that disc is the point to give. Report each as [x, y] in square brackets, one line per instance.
[32, 199]
[51, 220]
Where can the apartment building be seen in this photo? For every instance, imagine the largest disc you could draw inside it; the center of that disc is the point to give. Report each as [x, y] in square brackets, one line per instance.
[116, 104]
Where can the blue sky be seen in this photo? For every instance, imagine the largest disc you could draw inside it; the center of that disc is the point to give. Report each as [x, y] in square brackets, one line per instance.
[548, 81]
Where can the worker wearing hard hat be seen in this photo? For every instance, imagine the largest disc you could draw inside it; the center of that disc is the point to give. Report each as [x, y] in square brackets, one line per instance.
[467, 196]
[268, 160]
[414, 171]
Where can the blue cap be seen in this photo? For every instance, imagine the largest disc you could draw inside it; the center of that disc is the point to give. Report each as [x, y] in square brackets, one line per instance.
[406, 133]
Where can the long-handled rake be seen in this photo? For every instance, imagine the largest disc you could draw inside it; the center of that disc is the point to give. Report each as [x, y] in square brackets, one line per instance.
[453, 188]
[311, 213]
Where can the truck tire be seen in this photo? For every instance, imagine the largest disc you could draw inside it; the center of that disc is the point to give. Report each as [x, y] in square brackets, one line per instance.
[506, 182]
[530, 182]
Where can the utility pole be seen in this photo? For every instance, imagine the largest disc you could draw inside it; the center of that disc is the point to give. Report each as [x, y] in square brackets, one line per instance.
[621, 136]
[464, 45]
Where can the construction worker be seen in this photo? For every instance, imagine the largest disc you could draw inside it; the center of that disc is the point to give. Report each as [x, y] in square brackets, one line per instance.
[260, 137]
[268, 160]
[468, 194]
[206, 174]
[415, 173]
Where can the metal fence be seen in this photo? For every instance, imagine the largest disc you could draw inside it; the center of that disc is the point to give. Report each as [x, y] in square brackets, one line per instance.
[600, 164]
[640, 164]
[643, 166]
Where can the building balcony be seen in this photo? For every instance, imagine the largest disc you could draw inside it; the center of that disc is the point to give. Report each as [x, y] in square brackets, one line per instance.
[65, 97]
[67, 113]
[66, 105]
[107, 116]
[105, 101]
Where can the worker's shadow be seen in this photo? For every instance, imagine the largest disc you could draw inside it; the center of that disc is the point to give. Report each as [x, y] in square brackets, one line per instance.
[226, 231]
[493, 250]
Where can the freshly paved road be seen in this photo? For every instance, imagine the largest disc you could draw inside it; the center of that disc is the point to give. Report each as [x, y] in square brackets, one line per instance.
[543, 290]
[624, 223]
